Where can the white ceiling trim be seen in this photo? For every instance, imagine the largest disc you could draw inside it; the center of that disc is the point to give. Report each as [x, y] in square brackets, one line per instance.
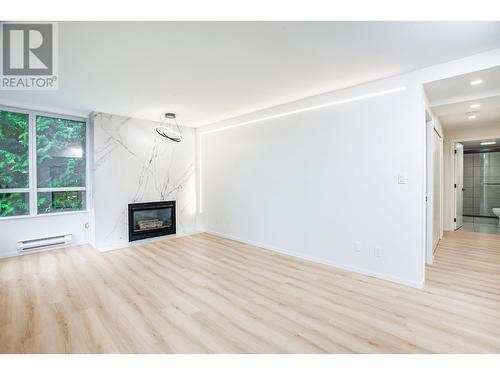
[465, 98]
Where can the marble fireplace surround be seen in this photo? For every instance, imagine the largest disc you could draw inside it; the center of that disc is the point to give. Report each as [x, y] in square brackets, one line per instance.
[132, 163]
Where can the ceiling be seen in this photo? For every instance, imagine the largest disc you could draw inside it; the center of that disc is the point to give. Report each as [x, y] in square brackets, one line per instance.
[451, 99]
[476, 145]
[454, 115]
[209, 71]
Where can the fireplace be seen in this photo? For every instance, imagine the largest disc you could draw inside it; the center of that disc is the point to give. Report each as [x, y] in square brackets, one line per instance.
[150, 219]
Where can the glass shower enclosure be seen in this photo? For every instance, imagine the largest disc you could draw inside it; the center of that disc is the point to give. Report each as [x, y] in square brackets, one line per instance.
[481, 183]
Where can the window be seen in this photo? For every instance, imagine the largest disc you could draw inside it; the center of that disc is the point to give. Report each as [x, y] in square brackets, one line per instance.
[60, 167]
[42, 163]
[14, 164]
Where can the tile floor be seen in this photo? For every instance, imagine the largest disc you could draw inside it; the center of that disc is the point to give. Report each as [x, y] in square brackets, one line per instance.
[481, 228]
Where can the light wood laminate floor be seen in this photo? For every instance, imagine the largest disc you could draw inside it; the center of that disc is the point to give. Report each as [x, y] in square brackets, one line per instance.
[205, 294]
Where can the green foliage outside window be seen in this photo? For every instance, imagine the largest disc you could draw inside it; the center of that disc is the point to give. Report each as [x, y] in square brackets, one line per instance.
[14, 204]
[14, 150]
[60, 201]
[60, 153]
[14, 162]
[60, 148]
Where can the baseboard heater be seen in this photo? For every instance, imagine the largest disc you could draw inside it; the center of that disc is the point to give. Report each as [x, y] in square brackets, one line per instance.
[43, 243]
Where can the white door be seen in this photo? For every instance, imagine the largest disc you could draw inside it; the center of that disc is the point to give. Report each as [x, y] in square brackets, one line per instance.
[433, 191]
[436, 189]
[459, 185]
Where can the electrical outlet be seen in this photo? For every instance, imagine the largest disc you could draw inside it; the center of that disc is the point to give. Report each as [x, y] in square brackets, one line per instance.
[357, 247]
[377, 252]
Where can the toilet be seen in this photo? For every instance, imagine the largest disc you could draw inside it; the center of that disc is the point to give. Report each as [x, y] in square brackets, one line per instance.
[496, 211]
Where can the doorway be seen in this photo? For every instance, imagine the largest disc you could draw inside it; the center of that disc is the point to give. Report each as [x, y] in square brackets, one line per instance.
[434, 145]
[459, 185]
[467, 110]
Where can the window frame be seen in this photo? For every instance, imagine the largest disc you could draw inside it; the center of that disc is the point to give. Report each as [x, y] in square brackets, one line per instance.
[33, 189]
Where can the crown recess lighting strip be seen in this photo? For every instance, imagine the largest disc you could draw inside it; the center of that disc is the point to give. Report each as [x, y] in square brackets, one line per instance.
[307, 109]
[279, 115]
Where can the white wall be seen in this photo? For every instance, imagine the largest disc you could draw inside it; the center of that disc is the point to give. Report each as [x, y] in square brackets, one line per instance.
[315, 183]
[132, 163]
[14, 230]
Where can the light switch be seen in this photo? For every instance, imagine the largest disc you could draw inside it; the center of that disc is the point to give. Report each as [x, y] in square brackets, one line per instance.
[357, 246]
[402, 178]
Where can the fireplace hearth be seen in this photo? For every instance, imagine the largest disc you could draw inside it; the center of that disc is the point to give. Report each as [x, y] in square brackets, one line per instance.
[151, 219]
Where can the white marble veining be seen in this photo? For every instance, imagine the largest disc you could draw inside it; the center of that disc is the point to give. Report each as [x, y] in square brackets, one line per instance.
[132, 163]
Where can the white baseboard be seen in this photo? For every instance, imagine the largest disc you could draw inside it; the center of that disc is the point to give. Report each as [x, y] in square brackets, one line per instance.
[17, 254]
[140, 242]
[10, 255]
[362, 271]
[147, 240]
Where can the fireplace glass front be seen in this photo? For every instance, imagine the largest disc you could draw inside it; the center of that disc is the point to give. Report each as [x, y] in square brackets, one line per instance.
[151, 219]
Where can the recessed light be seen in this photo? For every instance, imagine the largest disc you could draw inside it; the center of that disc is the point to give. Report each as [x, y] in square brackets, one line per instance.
[488, 143]
[476, 82]
[471, 116]
[475, 105]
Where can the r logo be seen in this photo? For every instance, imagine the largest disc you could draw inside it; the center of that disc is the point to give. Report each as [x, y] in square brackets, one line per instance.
[28, 49]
